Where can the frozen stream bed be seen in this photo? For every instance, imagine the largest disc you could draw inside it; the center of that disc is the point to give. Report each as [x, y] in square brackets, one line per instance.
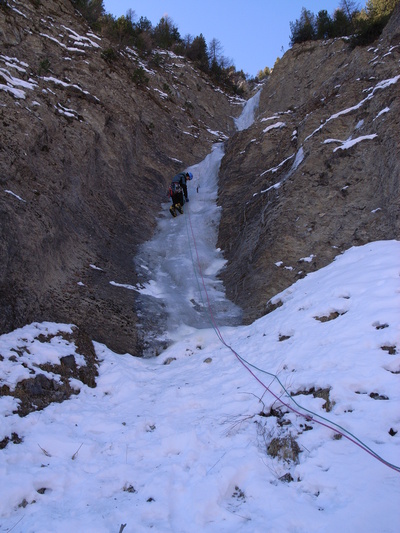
[178, 269]
[181, 261]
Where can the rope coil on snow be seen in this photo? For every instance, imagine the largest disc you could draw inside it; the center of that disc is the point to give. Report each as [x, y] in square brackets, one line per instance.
[307, 414]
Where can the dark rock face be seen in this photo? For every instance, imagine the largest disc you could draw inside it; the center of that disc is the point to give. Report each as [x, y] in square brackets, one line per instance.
[50, 381]
[85, 156]
[317, 173]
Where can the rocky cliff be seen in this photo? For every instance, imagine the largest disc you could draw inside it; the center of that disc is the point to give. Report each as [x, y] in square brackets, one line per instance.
[319, 170]
[89, 138]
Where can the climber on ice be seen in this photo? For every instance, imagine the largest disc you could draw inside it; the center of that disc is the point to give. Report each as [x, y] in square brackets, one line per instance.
[178, 192]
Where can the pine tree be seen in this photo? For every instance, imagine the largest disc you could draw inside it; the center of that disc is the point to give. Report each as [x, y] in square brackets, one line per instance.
[341, 24]
[303, 29]
[166, 33]
[380, 8]
[91, 10]
[198, 52]
[215, 50]
[324, 25]
[372, 20]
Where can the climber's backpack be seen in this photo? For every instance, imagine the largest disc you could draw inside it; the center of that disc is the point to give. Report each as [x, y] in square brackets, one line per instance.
[175, 188]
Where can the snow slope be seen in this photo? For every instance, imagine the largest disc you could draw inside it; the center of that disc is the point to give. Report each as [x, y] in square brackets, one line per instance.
[183, 447]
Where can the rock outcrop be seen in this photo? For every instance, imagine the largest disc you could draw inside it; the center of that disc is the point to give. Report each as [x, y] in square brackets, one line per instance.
[89, 137]
[318, 172]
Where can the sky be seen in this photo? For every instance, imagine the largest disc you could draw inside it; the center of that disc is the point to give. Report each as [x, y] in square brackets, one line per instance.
[253, 33]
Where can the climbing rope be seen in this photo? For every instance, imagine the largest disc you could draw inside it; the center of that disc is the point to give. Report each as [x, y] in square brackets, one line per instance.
[307, 414]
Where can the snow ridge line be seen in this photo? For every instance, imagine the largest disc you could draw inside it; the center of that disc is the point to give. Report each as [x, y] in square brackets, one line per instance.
[311, 416]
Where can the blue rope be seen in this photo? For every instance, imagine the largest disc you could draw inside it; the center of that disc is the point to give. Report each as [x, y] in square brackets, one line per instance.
[311, 416]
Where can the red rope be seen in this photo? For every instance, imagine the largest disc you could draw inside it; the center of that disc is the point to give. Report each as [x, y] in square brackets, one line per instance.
[288, 406]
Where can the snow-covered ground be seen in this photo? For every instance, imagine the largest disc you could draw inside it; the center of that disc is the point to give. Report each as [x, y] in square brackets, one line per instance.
[189, 446]
[183, 447]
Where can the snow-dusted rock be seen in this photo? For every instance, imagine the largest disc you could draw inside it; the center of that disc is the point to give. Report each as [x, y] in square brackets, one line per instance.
[331, 185]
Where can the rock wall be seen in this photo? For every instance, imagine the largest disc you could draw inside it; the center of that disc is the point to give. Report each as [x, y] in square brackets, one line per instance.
[85, 156]
[318, 172]
[86, 153]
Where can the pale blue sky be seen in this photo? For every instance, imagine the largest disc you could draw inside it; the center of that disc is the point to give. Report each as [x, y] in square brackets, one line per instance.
[253, 33]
